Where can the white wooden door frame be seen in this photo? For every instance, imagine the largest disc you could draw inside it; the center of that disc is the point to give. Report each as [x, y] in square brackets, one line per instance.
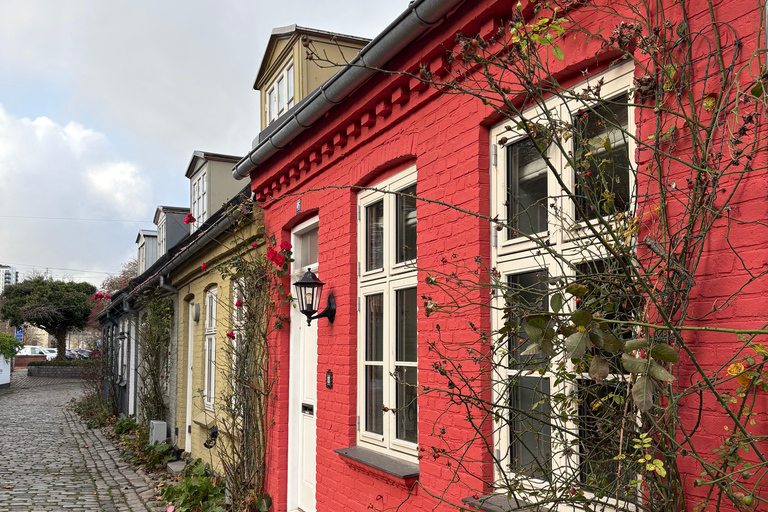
[294, 391]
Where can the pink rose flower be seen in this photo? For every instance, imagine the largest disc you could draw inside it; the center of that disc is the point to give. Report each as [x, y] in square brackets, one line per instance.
[238, 304]
[279, 260]
[286, 245]
[271, 254]
[203, 267]
[170, 508]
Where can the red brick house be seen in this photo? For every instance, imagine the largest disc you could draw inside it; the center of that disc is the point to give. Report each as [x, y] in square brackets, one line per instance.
[347, 435]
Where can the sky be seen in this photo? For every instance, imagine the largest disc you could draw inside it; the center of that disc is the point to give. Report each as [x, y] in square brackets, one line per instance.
[102, 103]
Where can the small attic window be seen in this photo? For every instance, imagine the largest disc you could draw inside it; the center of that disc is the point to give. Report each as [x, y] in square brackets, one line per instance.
[280, 97]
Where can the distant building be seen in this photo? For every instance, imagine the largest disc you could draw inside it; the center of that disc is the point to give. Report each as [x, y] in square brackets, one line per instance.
[8, 275]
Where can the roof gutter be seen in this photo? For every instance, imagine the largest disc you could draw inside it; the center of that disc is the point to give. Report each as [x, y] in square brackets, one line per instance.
[410, 25]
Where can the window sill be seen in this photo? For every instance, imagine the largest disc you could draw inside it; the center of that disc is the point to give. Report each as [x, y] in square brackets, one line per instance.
[498, 503]
[384, 467]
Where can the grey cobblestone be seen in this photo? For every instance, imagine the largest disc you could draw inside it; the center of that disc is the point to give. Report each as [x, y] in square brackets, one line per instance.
[49, 460]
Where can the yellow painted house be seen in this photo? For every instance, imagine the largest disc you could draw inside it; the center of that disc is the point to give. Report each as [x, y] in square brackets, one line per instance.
[204, 315]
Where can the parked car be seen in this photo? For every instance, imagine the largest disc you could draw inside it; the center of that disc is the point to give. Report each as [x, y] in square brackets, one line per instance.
[50, 353]
[32, 350]
[83, 352]
[71, 354]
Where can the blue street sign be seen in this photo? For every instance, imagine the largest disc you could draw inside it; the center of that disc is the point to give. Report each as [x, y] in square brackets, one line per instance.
[20, 334]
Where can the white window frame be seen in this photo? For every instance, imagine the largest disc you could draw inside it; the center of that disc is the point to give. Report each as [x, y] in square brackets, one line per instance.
[386, 281]
[198, 200]
[519, 255]
[283, 85]
[209, 385]
[161, 236]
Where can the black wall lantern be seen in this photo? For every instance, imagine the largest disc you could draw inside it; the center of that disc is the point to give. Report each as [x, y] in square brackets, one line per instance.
[309, 290]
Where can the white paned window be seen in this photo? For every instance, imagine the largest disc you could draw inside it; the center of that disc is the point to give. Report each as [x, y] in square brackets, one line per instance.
[161, 237]
[280, 96]
[199, 200]
[525, 192]
[209, 387]
[387, 323]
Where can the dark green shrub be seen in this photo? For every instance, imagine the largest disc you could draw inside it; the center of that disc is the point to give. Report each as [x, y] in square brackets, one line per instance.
[78, 363]
[125, 425]
[197, 490]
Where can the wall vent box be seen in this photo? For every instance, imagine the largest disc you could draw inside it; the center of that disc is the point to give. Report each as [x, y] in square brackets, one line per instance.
[157, 432]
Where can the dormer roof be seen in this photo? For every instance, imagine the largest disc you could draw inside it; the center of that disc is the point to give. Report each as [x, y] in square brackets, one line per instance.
[169, 209]
[145, 233]
[200, 157]
[292, 33]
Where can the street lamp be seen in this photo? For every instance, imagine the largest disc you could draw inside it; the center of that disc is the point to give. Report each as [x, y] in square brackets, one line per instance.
[309, 290]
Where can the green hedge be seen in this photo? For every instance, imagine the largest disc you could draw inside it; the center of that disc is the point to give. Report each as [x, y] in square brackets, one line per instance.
[81, 362]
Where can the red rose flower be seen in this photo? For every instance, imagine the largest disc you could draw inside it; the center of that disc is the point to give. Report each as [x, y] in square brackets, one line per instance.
[279, 260]
[189, 219]
[203, 267]
[286, 245]
[238, 304]
[271, 254]
[255, 244]
[231, 335]
[107, 296]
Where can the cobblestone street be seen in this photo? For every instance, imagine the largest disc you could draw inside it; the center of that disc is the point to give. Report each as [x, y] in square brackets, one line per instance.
[49, 460]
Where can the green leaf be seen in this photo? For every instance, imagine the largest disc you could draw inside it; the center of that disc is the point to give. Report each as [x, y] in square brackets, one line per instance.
[576, 344]
[668, 134]
[558, 52]
[757, 90]
[607, 144]
[547, 348]
[660, 374]
[612, 343]
[533, 333]
[577, 290]
[599, 368]
[532, 350]
[556, 303]
[664, 352]
[642, 394]
[682, 29]
[633, 364]
[637, 344]
[581, 318]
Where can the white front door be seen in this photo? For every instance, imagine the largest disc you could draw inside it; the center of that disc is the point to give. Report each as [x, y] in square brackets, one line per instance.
[302, 422]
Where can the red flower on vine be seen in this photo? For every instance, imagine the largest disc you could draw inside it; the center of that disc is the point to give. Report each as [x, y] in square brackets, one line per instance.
[189, 219]
[98, 295]
[203, 267]
[255, 244]
[107, 296]
[238, 304]
[231, 335]
[271, 254]
[286, 245]
[279, 260]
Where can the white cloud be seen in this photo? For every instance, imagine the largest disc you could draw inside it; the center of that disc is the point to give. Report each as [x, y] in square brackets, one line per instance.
[64, 171]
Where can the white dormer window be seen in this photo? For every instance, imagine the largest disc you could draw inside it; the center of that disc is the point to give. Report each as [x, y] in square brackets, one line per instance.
[161, 237]
[198, 201]
[142, 258]
[280, 96]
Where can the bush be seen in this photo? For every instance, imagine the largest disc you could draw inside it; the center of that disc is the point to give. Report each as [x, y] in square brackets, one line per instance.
[197, 490]
[125, 425]
[95, 410]
[79, 363]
